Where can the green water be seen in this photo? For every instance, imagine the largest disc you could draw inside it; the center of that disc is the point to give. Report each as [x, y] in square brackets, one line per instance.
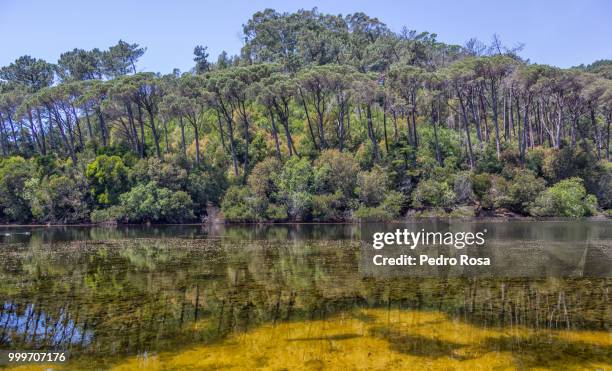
[109, 295]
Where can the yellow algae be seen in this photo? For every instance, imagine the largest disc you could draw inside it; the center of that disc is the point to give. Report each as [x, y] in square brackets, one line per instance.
[379, 339]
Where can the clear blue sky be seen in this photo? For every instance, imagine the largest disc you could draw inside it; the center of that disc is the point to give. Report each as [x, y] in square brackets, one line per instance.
[562, 33]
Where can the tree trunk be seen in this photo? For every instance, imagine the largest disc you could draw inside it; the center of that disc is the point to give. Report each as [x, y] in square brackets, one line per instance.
[435, 125]
[371, 133]
[3, 140]
[221, 134]
[466, 125]
[166, 134]
[275, 135]
[384, 109]
[597, 133]
[495, 119]
[413, 116]
[103, 130]
[320, 108]
[183, 145]
[476, 118]
[197, 142]
[154, 131]
[314, 141]
[42, 131]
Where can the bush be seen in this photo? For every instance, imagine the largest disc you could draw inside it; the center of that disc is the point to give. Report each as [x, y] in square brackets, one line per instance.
[336, 171]
[566, 198]
[277, 213]
[374, 214]
[296, 176]
[108, 178]
[431, 193]
[205, 186]
[264, 178]
[537, 158]
[60, 199]
[521, 192]
[166, 174]
[389, 209]
[463, 188]
[300, 206]
[604, 187]
[235, 206]
[481, 183]
[111, 214]
[152, 203]
[327, 208]
[372, 186]
[489, 163]
[14, 173]
[394, 203]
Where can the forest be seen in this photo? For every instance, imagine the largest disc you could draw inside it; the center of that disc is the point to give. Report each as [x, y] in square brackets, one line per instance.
[319, 118]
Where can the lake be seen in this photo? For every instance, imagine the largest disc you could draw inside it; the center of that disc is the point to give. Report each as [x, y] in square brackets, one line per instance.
[298, 297]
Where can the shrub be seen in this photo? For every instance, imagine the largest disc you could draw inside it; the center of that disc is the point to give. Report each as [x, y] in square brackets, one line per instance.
[326, 208]
[144, 203]
[336, 171]
[110, 214]
[14, 173]
[389, 209]
[296, 176]
[431, 193]
[463, 188]
[566, 198]
[166, 174]
[108, 178]
[276, 212]
[236, 206]
[374, 214]
[264, 178]
[300, 206]
[489, 163]
[537, 158]
[604, 187]
[205, 186]
[521, 192]
[481, 183]
[60, 199]
[372, 186]
[394, 203]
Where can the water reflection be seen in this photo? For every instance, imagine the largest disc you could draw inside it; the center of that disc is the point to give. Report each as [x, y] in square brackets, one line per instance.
[33, 326]
[111, 293]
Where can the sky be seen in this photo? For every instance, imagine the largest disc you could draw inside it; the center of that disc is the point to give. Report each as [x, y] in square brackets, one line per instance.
[561, 33]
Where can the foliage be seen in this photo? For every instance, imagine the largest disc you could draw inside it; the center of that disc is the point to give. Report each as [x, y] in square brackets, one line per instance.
[566, 198]
[152, 203]
[14, 173]
[336, 171]
[521, 191]
[238, 205]
[60, 199]
[319, 118]
[108, 178]
[372, 186]
[432, 193]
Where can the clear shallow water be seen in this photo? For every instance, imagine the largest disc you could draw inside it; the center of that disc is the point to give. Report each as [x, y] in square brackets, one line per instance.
[291, 296]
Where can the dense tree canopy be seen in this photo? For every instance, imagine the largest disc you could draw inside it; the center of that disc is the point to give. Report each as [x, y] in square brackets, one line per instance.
[320, 117]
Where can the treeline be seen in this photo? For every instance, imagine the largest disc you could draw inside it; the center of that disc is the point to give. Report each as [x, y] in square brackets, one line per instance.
[320, 118]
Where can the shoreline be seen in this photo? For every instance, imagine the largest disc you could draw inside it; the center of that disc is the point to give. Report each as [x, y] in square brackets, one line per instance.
[499, 219]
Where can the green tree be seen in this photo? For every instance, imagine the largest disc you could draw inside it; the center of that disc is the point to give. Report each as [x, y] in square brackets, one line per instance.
[108, 178]
[14, 174]
[567, 198]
